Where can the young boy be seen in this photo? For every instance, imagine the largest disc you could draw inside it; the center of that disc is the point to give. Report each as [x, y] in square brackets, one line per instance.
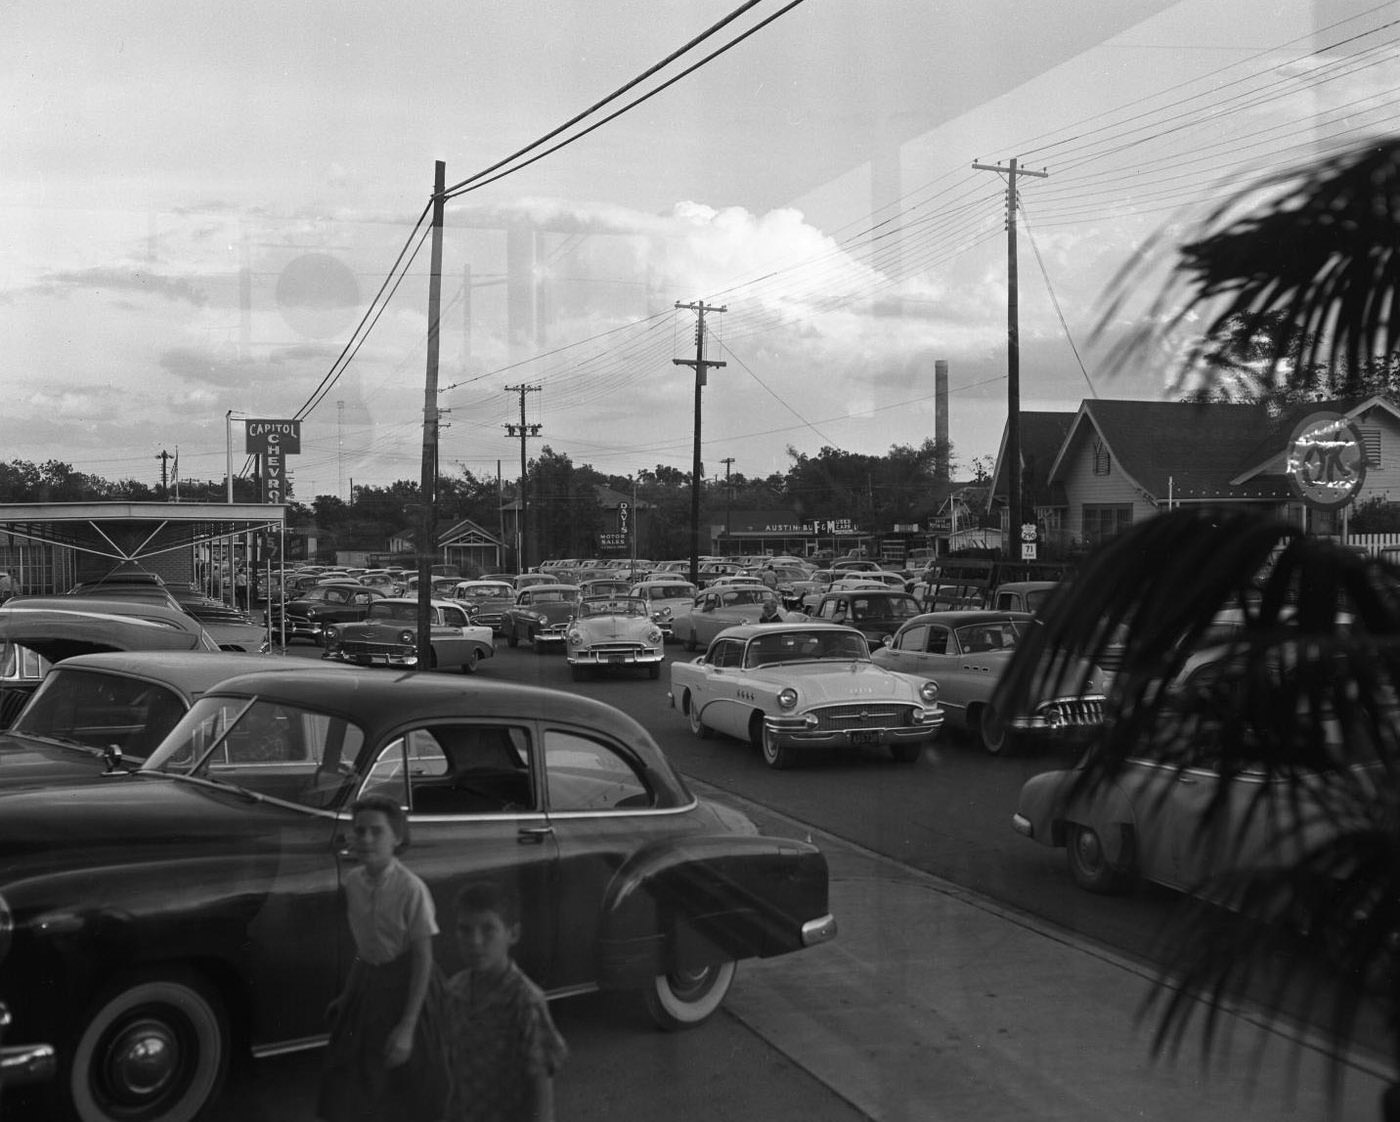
[502, 1047]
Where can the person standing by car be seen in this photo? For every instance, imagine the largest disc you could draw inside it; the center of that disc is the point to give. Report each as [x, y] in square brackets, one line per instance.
[503, 1048]
[386, 1059]
[769, 576]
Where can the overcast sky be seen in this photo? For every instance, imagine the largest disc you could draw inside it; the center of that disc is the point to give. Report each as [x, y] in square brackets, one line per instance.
[199, 205]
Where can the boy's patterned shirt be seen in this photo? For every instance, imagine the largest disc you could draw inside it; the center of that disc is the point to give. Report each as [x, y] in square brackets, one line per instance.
[499, 1040]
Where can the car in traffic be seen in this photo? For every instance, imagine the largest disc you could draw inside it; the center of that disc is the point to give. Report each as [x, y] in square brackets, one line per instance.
[876, 613]
[723, 606]
[966, 653]
[540, 615]
[604, 587]
[100, 713]
[790, 689]
[162, 922]
[486, 601]
[306, 617]
[665, 596]
[388, 636]
[611, 632]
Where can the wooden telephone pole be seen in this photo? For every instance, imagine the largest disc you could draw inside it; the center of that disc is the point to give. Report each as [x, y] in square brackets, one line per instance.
[1014, 499]
[701, 365]
[522, 430]
[427, 489]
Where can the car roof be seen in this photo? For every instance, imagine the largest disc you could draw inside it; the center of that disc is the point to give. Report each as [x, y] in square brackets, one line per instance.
[190, 676]
[957, 618]
[749, 630]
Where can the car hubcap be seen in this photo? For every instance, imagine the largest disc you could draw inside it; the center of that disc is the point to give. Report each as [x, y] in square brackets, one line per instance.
[142, 1061]
[1089, 849]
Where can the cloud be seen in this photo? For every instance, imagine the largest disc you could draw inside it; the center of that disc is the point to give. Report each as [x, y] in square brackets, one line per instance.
[111, 279]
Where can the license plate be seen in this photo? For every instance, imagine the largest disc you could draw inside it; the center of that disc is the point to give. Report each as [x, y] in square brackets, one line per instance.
[865, 736]
[617, 658]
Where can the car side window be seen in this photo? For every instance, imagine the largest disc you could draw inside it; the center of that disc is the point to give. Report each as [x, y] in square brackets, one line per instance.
[584, 774]
[457, 769]
[727, 652]
[454, 617]
[913, 638]
[940, 641]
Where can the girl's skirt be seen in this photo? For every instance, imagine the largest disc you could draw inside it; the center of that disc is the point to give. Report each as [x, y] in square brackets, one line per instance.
[356, 1085]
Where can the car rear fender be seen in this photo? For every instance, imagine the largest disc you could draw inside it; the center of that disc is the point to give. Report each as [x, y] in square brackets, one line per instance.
[1108, 810]
[689, 901]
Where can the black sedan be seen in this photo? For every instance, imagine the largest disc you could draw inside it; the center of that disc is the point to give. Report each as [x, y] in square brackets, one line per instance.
[160, 921]
[334, 602]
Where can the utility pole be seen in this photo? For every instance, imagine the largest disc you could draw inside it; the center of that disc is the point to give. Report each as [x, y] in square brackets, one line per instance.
[1015, 515]
[522, 430]
[427, 488]
[164, 458]
[701, 365]
[728, 463]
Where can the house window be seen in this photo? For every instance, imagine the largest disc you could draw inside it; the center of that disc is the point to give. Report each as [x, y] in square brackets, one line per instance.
[1102, 460]
[1370, 446]
[1103, 520]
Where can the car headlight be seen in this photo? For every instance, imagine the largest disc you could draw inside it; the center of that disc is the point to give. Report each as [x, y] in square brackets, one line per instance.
[787, 698]
[408, 637]
[662, 615]
[332, 634]
[928, 691]
[575, 637]
[654, 635]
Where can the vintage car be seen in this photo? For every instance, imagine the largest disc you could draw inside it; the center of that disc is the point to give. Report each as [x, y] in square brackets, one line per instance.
[25, 1063]
[876, 613]
[331, 602]
[616, 585]
[388, 636]
[160, 922]
[611, 631]
[541, 616]
[665, 596]
[966, 653]
[850, 583]
[96, 713]
[42, 630]
[230, 629]
[791, 688]
[486, 601]
[725, 606]
[794, 593]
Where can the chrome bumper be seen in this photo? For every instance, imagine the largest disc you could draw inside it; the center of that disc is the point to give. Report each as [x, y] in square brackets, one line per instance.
[24, 1063]
[816, 931]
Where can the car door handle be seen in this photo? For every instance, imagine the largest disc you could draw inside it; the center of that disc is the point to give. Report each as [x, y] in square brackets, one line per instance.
[533, 835]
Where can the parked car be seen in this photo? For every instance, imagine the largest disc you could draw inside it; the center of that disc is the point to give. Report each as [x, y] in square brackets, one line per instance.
[529, 580]
[193, 909]
[338, 601]
[541, 615]
[97, 713]
[42, 630]
[851, 583]
[388, 636]
[875, 612]
[791, 688]
[665, 596]
[613, 631]
[724, 606]
[604, 587]
[486, 601]
[230, 629]
[966, 653]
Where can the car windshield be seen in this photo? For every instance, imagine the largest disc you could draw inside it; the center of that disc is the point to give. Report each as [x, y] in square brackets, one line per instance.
[883, 607]
[806, 646]
[551, 595]
[613, 606]
[280, 751]
[484, 592]
[975, 638]
[738, 597]
[98, 709]
[669, 592]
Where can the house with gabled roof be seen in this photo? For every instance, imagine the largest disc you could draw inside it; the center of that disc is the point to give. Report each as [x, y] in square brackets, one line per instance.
[1118, 462]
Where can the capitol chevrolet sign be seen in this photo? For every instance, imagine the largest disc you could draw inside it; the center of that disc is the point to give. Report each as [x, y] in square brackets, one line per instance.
[270, 441]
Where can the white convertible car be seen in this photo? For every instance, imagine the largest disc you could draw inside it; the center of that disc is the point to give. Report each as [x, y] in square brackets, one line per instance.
[792, 687]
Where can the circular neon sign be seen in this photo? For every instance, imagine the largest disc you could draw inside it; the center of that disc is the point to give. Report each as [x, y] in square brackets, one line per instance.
[1326, 463]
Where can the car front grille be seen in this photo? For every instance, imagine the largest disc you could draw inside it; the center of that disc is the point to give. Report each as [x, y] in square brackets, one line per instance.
[863, 715]
[364, 648]
[1067, 712]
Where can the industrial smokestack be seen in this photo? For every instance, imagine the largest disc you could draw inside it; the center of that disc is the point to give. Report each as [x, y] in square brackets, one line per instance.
[941, 468]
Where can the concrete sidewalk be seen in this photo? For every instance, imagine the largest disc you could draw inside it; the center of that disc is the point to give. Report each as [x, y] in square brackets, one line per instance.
[934, 1004]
